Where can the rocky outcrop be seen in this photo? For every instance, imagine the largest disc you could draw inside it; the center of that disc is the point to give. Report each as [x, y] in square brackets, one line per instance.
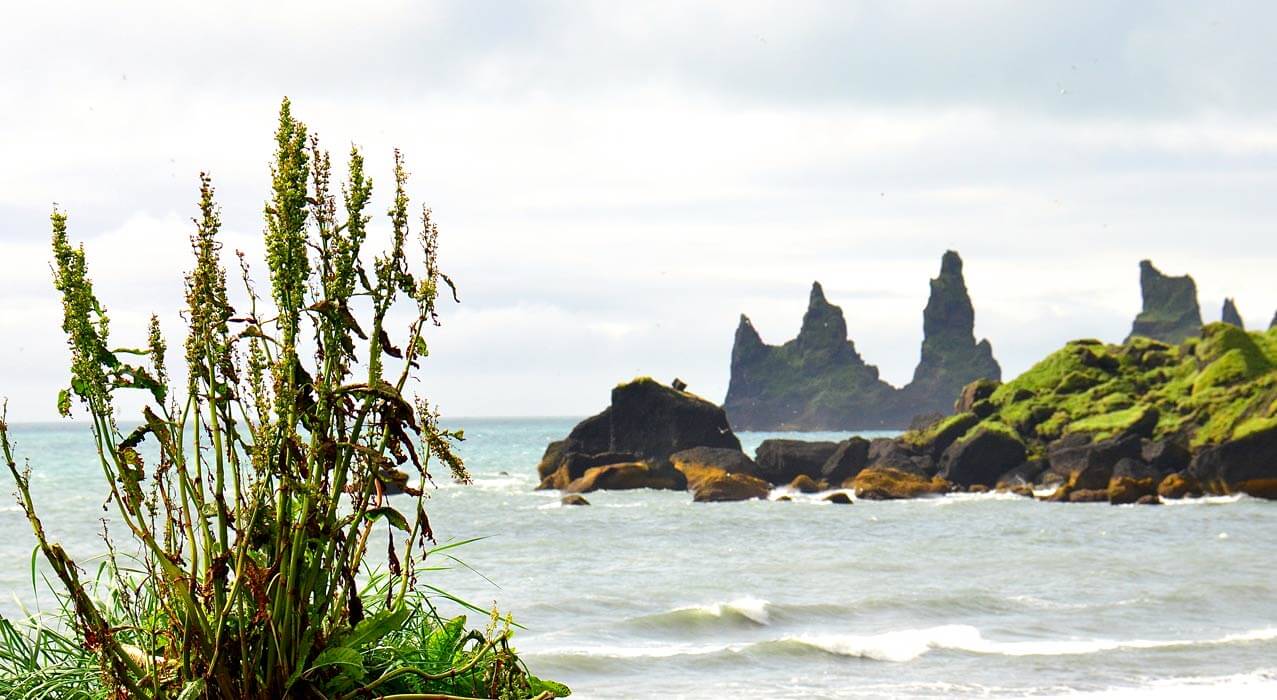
[631, 475]
[981, 457]
[1230, 316]
[951, 357]
[851, 456]
[780, 461]
[818, 381]
[885, 484]
[815, 381]
[645, 424]
[1132, 480]
[1245, 464]
[1170, 312]
[726, 486]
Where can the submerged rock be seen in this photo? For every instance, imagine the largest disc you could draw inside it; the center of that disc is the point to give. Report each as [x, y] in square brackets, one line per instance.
[838, 497]
[574, 499]
[1170, 312]
[805, 484]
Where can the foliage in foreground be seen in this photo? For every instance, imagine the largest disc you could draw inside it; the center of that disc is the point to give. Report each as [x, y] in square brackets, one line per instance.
[252, 489]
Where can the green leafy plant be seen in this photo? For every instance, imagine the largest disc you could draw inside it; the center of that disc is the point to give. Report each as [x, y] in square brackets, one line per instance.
[252, 492]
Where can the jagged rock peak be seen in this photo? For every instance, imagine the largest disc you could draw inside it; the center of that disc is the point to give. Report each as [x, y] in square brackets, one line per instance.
[817, 296]
[1273, 323]
[824, 328]
[1230, 315]
[1170, 311]
[951, 264]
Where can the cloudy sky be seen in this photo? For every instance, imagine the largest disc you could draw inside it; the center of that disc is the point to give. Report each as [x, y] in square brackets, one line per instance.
[617, 182]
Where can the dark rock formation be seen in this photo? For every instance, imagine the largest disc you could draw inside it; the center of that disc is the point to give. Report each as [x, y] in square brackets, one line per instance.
[728, 460]
[646, 423]
[838, 497]
[1245, 464]
[1170, 312]
[1132, 480]
[1273, 323]
[1230, 316]
[573, 499]
[1179, 485]
[779, 461]
[981, 458]
[1165, 456]
[951, 357]
[654, 421]
[818, 381]
[851, 456]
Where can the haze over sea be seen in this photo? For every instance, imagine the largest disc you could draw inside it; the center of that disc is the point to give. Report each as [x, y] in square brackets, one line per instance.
[644, 594]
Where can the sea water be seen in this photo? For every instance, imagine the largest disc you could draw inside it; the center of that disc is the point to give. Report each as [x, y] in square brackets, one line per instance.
[644, 594]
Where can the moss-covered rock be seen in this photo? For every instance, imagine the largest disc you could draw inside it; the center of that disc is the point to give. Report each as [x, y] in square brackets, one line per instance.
[883, 483]
[725, 486]
[987, 452]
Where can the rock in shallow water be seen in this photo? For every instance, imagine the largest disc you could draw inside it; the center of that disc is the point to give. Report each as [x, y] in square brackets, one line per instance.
[574, 499]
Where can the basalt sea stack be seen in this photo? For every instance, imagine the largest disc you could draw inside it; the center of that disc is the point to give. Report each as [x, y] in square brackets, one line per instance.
[818, 381]
[1170, 312]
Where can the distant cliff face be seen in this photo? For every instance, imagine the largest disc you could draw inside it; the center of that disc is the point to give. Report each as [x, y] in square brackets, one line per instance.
[1229, 314]
[1170, 312]
[818, 381]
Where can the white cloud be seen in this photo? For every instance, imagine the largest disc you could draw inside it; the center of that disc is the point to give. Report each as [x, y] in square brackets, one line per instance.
[617, 184]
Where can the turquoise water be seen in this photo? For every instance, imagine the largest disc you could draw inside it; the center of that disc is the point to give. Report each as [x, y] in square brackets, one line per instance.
[645, 594]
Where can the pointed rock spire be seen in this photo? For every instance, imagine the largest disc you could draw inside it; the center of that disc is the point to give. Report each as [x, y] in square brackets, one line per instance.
[1230, 315]
[824, 330]
[951, 358]
[1170, 312]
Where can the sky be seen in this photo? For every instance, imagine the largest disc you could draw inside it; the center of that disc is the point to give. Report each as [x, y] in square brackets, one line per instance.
[616, 183]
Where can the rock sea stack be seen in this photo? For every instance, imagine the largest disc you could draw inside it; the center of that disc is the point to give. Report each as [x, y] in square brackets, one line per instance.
[1170, 312]
[818, 381]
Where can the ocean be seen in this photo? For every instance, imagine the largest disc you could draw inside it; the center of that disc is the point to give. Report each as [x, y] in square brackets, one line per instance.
[645, 594]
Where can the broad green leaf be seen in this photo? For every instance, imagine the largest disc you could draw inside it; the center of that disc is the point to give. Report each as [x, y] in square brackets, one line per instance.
[538, 686]
[441, 646]
[347, 661]
[394, 517]
[371, 629]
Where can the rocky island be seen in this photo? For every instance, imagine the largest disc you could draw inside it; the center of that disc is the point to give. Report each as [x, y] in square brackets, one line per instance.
[1135, 422]
[818, 381]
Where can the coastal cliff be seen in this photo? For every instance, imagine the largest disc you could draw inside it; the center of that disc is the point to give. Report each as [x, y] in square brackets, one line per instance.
[818, 381]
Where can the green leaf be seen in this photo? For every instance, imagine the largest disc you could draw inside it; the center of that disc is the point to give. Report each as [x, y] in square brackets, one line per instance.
[538, 686]
[441, 646]
[347, 661]
[64, 403]
[371, 629]
[394, 517]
